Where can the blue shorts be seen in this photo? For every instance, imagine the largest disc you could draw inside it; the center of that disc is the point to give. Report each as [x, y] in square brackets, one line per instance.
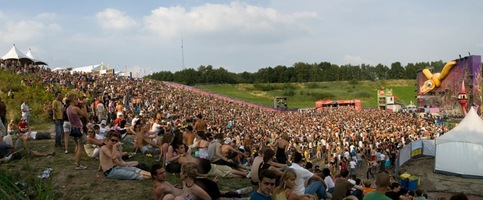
[124, 173]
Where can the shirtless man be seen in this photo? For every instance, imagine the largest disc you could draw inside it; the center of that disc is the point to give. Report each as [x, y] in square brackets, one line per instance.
[162, 189]
[230, 151]
[113, 166]
[119, 108]
[200, 124]
[189, 136]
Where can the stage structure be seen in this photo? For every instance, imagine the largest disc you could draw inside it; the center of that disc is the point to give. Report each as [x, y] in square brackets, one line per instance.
[356, 103]
[385, 100]
[452, 91]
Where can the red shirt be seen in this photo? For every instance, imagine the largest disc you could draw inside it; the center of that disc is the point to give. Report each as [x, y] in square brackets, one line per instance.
[23, 126]
[118, 121]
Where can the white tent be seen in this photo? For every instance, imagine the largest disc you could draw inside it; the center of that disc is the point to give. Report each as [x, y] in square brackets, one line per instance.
[35, 59]
[88, 69]
[15, 54]
[58, 69]
[460, 151]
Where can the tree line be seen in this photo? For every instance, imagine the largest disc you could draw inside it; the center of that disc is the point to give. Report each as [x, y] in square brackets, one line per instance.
[299, 72]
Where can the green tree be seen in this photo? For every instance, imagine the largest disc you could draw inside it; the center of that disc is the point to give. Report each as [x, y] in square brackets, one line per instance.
[381, 72]
[396, 71]
[324, 68]
[302, 72]
[186, 76]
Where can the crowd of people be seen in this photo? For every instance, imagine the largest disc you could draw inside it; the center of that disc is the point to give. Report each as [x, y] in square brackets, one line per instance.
[315, 154]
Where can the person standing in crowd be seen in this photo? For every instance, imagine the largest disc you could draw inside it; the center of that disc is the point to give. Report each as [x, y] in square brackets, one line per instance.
[3, 119]
[74, 114]
[25, 110]
[66, 125]
[282, 146]
[10, 94]
[200, 124]
[100, 111]
[58, 111]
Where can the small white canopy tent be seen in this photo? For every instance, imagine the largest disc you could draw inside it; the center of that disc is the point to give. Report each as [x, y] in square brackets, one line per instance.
[15, 54]
[35, 59]
[460, 151]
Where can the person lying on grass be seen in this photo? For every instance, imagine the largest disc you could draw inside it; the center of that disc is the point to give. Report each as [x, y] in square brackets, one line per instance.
[112, 164]
[21, 149]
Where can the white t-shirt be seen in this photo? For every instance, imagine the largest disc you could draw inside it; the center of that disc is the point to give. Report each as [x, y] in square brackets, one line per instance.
[25, 109]
[383, 157]
[330, 183]
[303, 175]
[353, 164]
[103, 130]
[346, 154]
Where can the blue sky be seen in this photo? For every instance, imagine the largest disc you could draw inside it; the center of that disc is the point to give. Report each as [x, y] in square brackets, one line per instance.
[240, 35]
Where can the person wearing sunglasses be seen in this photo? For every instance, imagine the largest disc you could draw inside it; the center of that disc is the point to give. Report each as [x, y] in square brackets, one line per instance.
[112, 165]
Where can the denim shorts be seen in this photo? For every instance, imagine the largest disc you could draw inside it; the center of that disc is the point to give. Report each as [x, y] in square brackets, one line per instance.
[124, 173]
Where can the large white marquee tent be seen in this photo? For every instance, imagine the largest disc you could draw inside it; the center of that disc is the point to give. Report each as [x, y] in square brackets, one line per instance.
[16, 54]
[460, 151]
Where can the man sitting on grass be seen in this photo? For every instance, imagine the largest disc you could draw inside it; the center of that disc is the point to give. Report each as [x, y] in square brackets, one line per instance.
[8, 152]
[162, 189]
[112, 164]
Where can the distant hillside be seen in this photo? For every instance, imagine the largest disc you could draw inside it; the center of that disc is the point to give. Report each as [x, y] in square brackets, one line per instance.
[304, 95]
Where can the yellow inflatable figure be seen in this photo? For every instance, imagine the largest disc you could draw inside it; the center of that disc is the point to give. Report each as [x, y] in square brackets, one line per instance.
[434, 80]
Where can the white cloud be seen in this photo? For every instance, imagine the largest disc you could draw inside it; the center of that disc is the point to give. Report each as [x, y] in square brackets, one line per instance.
[480, 45]
[217, 19]
[356, 60]
[46, 16]
[20, 31]
[115, 19]
[26, 30]
[54, 27]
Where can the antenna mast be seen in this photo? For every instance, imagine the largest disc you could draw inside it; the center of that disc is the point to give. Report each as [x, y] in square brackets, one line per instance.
[182, 54]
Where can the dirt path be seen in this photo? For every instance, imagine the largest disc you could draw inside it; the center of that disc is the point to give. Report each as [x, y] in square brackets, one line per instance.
[439, 184]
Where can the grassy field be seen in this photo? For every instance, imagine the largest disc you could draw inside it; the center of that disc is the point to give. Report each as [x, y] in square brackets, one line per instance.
[304, 95]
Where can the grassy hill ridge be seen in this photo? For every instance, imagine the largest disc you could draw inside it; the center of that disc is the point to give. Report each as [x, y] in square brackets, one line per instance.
[304, 95]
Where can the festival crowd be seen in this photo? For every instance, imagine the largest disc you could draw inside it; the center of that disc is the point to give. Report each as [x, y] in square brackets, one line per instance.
[330, 153]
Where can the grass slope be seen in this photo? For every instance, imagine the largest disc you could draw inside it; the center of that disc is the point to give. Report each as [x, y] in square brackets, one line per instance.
[304, 95]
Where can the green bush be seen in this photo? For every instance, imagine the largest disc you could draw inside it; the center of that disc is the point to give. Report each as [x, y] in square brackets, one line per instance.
[288, 92]
[363, 94]
[313, 85]
[289, 86]
[322, 95]
[263, 87]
